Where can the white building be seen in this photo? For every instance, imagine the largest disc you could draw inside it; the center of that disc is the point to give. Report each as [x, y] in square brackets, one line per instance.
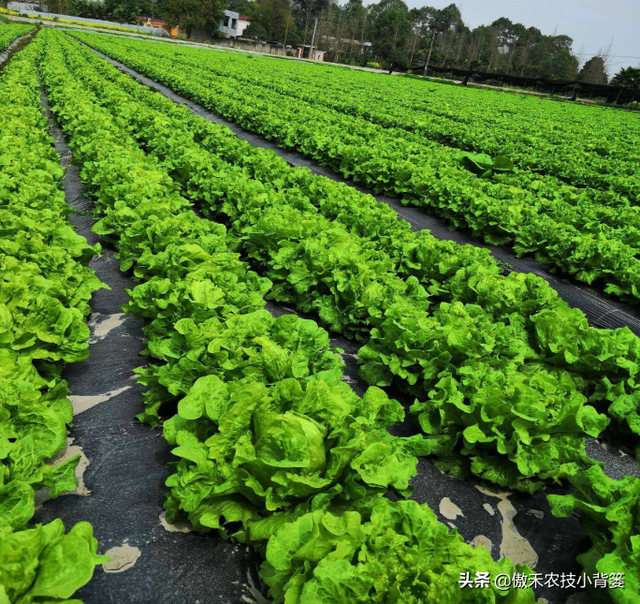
[305, 52]
[233, 24]
[27, 6]
[243, 23]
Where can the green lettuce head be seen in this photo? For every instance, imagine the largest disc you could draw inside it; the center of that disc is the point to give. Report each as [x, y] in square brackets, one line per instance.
[250, 451]
[383, 553]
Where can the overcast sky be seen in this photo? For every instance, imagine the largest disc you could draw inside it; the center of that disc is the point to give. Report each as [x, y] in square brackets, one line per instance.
[591, 23]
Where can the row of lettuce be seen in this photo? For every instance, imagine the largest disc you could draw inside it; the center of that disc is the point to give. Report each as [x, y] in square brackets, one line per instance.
[509, 379]
[581, 146]
[273, 446]
[589, 234]
[587, 156]
[11, 32]
[45, 289]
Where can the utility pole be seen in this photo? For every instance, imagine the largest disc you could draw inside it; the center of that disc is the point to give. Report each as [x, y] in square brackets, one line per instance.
[313, 38]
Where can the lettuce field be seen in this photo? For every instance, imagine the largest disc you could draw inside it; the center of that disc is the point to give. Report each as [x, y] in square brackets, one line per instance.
[11, 32]
[236, 367]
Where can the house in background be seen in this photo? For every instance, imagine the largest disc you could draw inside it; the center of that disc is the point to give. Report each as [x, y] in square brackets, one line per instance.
[158, 24]
[305, 52]
[27, 6]
[243, 23]
[233, 24]
[354, 46]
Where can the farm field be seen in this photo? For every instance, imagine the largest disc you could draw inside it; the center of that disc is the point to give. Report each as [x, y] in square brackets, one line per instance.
[570, 201]
[10, 32]
[319, 371]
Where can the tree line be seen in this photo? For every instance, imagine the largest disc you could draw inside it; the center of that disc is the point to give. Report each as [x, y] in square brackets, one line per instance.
[388, 33]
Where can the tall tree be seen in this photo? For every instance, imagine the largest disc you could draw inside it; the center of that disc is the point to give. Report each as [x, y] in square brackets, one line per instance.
[434, 25]
[593, 71]
[422, 36]
[390, 27]
[60, 7]
[126, 10]
[272, 16]
[85, 8]
[191, 14]
[355, 25]
[304, 13]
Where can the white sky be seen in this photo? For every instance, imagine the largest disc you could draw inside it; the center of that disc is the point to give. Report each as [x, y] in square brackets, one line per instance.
[592, 24]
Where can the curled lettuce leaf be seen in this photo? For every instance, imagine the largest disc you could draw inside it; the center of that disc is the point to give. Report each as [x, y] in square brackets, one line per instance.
[45, 564]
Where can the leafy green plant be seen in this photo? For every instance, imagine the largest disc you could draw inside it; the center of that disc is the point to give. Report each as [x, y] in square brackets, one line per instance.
[45, 289]
[41, 563]
[388, 551]
[249, 451]
[264, 423]
[610, 518]
[11, 31]
[270, 442]
[484, 167]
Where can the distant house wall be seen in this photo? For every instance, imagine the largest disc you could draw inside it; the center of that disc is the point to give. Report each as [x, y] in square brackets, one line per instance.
[229, 24]
[253, 46]
[303, 52]
[243, 23]
[21, 6]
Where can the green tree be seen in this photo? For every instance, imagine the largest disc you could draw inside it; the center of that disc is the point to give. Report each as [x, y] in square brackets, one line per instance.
[398, 61]
[431, 36]
[255, 30]
[85, 8]
[507, 45]
[190, 14]
[116, 10]
[593, 71]
[390, 27]
[552, 58]
[125, 10]
[433, 25]
[628, 77]
[270, 20]
[355, 26]
[60, 7]
[244, 7]
[304, 12]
